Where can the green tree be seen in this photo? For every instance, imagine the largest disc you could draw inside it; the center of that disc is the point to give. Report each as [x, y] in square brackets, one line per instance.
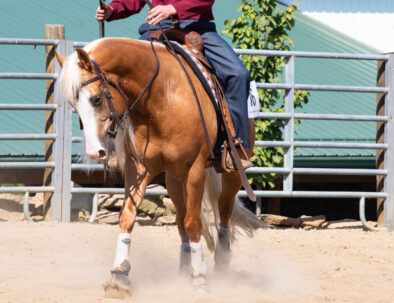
[263, 25]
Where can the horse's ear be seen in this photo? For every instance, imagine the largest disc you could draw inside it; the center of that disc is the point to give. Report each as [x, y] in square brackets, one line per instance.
[60, 59]
[84, 60]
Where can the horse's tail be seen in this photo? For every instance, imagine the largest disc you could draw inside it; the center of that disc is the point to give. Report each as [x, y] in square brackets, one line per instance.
[241, 219]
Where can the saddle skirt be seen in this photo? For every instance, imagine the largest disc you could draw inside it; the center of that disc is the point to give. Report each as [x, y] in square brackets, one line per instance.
[202, 73]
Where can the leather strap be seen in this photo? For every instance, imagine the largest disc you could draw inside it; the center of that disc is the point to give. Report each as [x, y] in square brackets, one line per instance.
[173, 52]
[231, 140]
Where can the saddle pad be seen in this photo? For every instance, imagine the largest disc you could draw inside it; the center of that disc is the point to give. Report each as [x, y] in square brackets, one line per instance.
[199, 71]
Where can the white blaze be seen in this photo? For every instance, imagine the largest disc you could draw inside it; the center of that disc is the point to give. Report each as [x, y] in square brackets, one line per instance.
[87, 114]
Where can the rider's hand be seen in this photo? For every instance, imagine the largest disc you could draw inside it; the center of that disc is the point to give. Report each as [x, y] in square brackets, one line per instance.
[160, 13]
[103, 14]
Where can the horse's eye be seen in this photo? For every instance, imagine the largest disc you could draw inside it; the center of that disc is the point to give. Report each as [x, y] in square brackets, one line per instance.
[96, 100]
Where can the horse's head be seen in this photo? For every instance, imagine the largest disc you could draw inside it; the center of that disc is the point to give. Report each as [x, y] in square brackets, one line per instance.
[98, 105]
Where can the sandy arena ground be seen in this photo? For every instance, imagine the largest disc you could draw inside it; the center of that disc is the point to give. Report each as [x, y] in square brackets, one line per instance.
[54, 262]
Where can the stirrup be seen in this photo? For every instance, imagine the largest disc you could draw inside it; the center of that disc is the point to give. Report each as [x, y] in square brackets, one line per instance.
[225, 161]
[229, 162]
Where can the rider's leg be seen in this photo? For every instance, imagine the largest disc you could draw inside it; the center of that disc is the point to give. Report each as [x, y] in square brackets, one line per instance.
[234, 78]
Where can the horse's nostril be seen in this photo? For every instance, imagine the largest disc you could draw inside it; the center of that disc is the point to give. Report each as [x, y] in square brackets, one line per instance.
[102, 154]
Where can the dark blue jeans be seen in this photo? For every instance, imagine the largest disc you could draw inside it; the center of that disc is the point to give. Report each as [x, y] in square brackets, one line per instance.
[232, 74]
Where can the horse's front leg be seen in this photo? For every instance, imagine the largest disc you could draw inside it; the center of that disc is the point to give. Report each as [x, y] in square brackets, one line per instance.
[136, 180]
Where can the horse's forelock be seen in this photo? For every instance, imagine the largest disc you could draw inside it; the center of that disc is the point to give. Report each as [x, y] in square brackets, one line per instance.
[70, 77]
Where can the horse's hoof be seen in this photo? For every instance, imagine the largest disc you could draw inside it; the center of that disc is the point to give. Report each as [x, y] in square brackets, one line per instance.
[222, 268]
[118, 286]
[115, 290]
[200, 286]
[185, 271]
[202, 292]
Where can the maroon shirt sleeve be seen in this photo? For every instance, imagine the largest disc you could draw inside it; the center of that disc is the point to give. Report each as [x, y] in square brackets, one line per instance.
[125, 8]
[193, 9]
[186, 9]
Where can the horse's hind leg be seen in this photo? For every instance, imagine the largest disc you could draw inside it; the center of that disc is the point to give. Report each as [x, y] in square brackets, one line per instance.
[176, 192]
[136, 180]
[230, 186]
[231, 183]
[194, 190]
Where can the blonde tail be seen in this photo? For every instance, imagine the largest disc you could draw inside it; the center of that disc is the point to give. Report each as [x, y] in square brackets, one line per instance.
[242, 220]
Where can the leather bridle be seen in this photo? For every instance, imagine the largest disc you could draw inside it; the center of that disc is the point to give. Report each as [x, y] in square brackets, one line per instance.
[116, 120]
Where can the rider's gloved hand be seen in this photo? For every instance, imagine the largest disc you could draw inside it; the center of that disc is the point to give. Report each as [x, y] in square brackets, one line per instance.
[103, 14]
[160, 13]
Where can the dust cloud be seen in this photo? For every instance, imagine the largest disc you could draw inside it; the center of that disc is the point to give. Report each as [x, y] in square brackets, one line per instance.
[254, 275]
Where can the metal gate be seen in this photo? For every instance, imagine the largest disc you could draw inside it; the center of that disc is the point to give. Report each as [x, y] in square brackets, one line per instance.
[63, 137]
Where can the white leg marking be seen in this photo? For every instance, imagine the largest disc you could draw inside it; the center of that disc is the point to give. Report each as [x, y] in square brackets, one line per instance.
[122, 249]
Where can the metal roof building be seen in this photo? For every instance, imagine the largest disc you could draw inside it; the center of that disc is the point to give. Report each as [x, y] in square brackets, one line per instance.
[308, 35]
[366, 21]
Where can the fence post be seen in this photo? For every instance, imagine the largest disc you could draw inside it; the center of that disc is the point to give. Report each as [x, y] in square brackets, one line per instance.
[52, 31]
[389, 139]
[67, 144]
[288, 161]
[380, 128]
[61, 178]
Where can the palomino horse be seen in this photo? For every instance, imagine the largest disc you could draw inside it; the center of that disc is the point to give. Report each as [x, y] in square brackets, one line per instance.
[163, 133]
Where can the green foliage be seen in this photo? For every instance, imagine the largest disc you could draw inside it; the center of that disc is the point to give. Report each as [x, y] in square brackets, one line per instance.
[263, 26]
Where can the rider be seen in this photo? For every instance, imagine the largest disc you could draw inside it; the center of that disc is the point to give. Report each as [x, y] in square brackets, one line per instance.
[197, 16]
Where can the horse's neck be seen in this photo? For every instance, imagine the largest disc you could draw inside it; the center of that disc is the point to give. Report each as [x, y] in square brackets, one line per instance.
[134, 64]
[132, 61]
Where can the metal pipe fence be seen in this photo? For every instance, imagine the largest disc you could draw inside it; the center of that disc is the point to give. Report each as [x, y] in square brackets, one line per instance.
[57, 137]
[63, 138]
[28, 76]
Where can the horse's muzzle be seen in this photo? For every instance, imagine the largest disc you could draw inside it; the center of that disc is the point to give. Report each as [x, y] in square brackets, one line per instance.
[101, 155]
